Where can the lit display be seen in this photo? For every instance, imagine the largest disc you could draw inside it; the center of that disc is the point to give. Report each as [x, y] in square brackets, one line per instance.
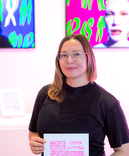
[87, 17]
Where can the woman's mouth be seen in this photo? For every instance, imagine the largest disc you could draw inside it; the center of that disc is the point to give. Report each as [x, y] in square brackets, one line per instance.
[71, 68]
[116, 32]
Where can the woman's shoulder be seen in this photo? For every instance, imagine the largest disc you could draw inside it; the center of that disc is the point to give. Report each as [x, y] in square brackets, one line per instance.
[106, 101]
[44, 89]
[43, 92]
[106, 97]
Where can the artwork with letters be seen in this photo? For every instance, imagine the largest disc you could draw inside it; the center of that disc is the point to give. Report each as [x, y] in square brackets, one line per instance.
[67, 144]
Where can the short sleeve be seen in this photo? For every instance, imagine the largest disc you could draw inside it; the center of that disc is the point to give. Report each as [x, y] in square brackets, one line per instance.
[116, 126]
[37, 106]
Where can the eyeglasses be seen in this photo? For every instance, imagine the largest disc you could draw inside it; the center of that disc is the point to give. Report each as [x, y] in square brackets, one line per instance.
[76, 56]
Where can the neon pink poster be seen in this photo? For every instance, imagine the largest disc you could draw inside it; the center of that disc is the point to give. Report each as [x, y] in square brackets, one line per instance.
[87, 17]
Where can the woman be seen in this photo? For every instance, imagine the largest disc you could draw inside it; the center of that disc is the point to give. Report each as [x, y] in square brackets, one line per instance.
[117, 23]
[74, 103]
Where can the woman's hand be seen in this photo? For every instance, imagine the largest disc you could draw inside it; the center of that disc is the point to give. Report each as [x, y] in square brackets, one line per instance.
[36, 143]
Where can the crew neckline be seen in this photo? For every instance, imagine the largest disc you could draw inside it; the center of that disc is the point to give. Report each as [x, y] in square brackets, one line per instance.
[80, 89]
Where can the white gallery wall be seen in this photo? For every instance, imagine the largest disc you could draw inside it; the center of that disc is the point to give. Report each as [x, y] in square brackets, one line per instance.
[30, 69]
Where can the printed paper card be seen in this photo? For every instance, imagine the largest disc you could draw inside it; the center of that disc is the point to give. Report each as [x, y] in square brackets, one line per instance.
[11, 102]
[66, 144]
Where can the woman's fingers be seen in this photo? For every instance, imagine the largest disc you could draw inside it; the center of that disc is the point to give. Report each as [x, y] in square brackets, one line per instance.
[38, 139]
[37, 145]
[37, 149]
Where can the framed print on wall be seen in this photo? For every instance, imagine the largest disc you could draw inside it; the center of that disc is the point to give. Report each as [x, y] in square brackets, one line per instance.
[105, 23]
[17, 24]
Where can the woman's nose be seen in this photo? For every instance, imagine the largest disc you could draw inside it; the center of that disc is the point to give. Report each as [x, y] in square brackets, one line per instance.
[116, 20]
[70, 59]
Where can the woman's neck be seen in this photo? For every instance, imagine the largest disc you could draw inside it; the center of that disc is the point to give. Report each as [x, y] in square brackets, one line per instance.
[76, 82]
[121, 43]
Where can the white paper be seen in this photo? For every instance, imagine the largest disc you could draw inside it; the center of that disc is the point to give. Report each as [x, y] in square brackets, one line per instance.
[66, 144]
[11, 102]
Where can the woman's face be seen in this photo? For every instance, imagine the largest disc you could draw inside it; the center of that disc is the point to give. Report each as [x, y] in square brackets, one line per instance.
[71, 68]
[117, 19]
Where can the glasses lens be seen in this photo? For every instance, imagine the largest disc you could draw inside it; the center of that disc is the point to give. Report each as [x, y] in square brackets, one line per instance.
[58, 56]
[62, 57]
[77, 56]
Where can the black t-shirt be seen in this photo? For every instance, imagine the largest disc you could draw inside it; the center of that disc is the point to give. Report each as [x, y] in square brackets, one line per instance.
[87, 109]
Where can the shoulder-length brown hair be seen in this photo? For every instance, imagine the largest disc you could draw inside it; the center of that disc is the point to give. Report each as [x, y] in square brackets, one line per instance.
[57, 88]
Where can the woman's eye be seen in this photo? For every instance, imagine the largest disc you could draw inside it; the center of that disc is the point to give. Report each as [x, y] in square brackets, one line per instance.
[124, 13]
[77, 54]
[63, 55]
[108, 14]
